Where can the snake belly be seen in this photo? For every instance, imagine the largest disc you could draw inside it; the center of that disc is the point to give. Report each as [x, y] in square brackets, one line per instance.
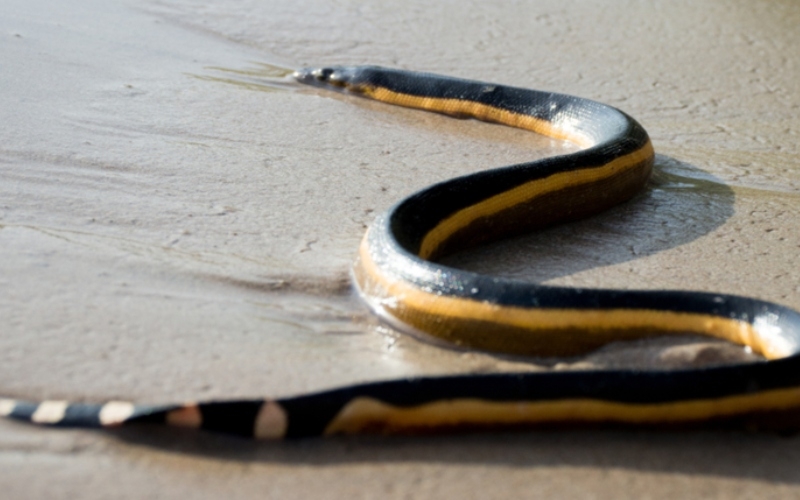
[398, 275]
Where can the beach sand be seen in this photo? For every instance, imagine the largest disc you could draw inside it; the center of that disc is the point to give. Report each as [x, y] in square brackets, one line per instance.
[178, 220]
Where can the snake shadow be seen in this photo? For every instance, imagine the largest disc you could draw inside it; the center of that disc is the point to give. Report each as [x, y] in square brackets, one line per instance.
[680, 204]
[700, 453]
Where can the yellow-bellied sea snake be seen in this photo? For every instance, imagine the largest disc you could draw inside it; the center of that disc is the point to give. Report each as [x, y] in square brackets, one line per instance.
[398, 275]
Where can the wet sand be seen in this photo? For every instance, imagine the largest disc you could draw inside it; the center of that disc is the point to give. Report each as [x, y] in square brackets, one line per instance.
[178, 219]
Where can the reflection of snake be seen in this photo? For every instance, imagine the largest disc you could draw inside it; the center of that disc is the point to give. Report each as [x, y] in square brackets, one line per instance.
[397, 274]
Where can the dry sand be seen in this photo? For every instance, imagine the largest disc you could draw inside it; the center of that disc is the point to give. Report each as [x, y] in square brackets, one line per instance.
[177, 221]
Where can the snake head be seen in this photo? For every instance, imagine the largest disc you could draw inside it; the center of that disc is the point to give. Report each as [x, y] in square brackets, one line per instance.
[321, 77]
[341, 78]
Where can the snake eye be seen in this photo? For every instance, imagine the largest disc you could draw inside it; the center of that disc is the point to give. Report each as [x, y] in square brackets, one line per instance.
[323, 74]
[329, 76]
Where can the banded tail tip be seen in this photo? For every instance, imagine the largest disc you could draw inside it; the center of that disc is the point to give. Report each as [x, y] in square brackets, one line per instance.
[66, 414]
[259, 419]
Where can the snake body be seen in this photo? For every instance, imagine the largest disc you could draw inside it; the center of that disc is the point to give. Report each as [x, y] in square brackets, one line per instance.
[398, 275]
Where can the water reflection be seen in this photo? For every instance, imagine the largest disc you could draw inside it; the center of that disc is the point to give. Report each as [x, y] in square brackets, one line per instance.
[261, 76]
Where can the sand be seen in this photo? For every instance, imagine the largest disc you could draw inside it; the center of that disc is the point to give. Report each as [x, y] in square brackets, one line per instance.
[178, 220]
